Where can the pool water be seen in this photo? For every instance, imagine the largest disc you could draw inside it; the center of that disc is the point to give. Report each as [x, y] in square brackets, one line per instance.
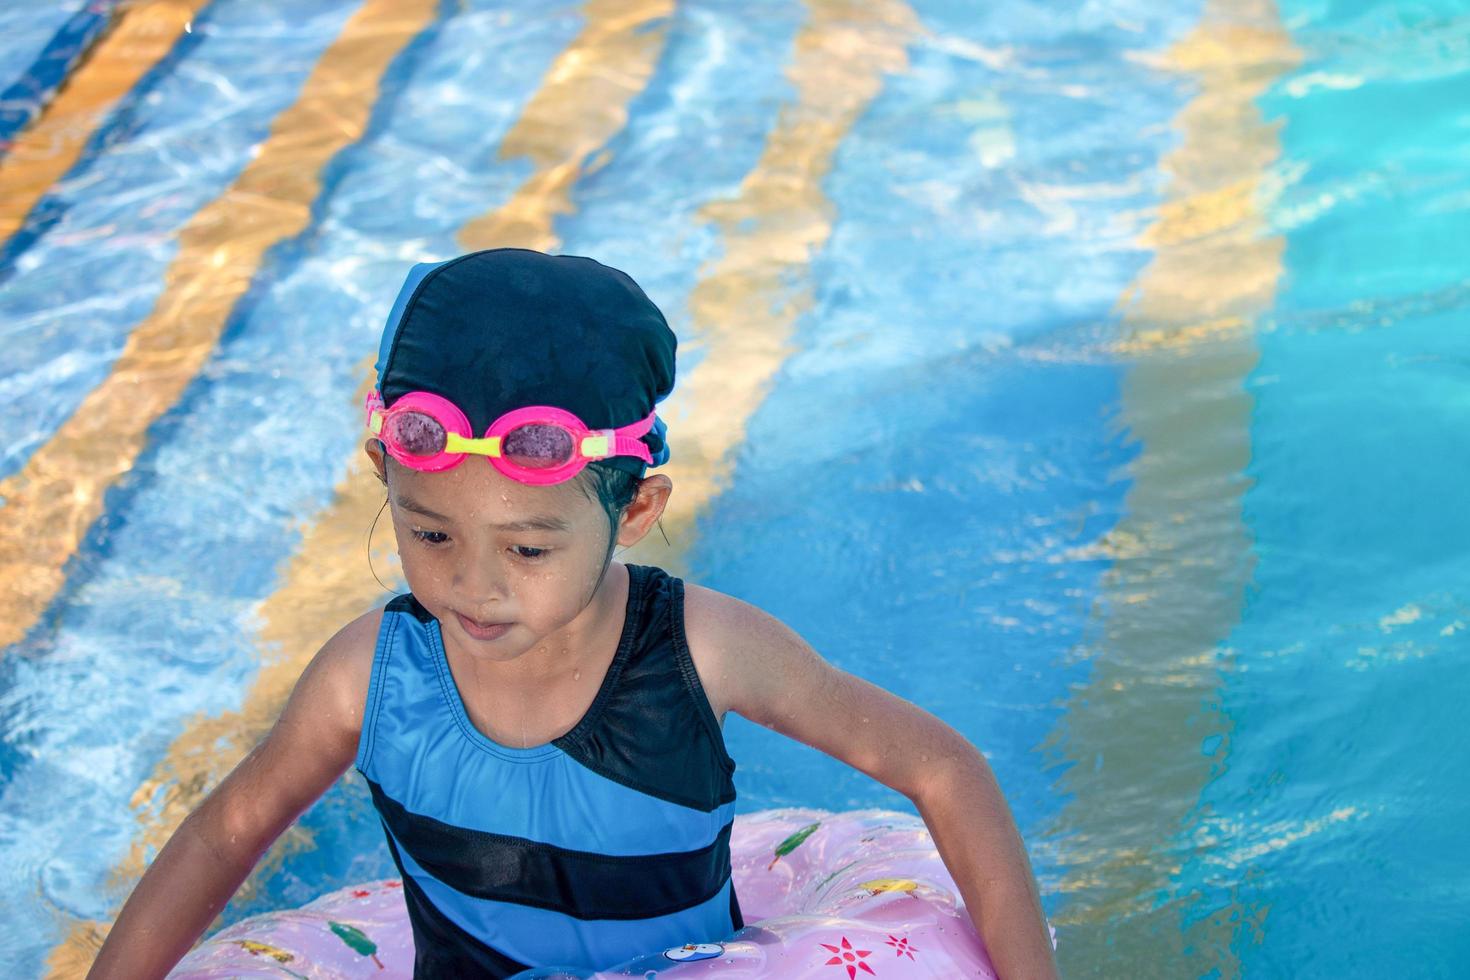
[1094, 375]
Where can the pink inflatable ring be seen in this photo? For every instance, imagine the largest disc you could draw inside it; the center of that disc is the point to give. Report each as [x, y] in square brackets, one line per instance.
[829, 896]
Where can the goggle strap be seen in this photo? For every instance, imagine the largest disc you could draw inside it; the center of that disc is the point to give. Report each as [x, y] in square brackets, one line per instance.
[374, 405]
[626, 446]
[597, 446]
[626, 441]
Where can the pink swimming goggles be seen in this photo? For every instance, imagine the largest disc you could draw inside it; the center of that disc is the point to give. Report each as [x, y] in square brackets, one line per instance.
[538, 445]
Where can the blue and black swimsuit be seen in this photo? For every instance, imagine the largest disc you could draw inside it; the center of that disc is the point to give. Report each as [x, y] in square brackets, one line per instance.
[609, 842]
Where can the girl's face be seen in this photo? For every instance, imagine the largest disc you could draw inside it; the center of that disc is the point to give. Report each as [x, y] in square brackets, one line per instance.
[503, 566]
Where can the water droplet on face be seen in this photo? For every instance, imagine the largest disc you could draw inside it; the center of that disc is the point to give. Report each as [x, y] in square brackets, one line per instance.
[923, 758]
[577, 675]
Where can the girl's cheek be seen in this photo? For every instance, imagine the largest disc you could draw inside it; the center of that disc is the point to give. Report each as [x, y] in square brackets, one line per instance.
[427, 568]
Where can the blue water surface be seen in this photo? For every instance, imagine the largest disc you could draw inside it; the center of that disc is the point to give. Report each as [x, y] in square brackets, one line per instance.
[927, 488]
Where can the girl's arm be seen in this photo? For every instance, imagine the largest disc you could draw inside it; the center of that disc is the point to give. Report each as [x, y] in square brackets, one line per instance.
[761, 669]
[207, 858]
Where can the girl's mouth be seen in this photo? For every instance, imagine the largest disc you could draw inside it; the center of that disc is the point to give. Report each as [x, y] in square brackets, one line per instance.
[482, 631]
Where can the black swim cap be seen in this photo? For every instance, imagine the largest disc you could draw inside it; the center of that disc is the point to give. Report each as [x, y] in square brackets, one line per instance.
[508, 328]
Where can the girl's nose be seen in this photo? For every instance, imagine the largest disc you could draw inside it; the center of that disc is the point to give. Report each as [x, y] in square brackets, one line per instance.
[482, 581]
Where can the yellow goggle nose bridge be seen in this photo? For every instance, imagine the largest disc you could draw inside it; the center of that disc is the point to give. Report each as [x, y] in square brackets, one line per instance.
[455, 443]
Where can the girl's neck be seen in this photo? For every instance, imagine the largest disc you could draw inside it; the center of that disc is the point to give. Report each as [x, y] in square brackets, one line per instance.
[588, 643]
[543, 693]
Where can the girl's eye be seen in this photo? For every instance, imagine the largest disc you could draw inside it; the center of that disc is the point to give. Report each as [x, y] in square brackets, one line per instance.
[430, 537]
[530, 554]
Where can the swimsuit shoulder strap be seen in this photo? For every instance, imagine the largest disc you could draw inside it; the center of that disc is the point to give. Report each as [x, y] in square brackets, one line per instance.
[653, 728]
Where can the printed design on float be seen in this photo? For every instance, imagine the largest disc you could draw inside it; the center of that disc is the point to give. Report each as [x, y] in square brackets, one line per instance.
[793, 842]
[356, 940]
[273, 952]
[693, 952]
[902, 945]
[877, 832]
[850, 958]
[880, 885]
[264, 949]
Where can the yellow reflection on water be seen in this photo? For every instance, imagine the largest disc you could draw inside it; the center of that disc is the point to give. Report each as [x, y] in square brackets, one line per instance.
[1181, 551]
[50, 503]
[745, 305]
[47, 148]
[582, 103]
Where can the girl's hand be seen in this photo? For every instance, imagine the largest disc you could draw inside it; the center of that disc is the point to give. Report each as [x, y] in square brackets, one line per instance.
[207, 858]
[753, 664]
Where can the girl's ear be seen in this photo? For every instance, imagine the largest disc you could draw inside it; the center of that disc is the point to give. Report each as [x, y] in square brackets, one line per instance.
[647, 506]
[374, 449]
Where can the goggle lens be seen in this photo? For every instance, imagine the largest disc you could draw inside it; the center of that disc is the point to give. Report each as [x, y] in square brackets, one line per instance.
[538, 446]
[416, 433]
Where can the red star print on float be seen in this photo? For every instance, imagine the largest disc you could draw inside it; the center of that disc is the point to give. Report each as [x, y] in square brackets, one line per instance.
[902, 945]
[849, 957]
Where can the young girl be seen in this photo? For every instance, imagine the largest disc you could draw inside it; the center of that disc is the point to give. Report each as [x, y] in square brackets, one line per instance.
[539, 725]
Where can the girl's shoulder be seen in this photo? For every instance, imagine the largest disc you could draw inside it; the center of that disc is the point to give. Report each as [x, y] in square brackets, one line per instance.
[759, 667]
[707, 614]
[316, 736]
[721, 619]
[338, 676]
[724, 634]
[354, 643]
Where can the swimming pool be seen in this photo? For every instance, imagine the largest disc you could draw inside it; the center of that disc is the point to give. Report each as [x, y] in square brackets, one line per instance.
[1093, 375]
